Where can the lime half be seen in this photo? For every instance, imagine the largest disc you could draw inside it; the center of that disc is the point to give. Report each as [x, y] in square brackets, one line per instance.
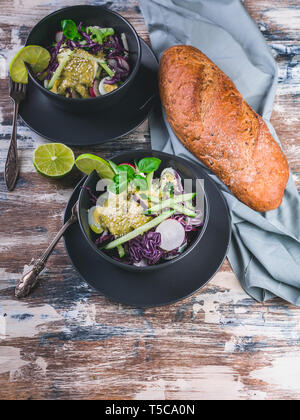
[87, 163]
[38, 58]
[53, 160]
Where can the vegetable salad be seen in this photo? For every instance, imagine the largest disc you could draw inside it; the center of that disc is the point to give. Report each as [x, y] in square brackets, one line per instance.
[143, 220]
[86, 62]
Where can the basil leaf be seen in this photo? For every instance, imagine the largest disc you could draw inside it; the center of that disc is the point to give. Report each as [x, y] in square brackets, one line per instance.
[128, 169]
[140, 182]
[119, 184]
[148, 165]
[69, 28]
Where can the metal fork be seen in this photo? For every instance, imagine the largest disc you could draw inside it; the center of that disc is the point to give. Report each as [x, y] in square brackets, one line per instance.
[31, 277]
[17, 92]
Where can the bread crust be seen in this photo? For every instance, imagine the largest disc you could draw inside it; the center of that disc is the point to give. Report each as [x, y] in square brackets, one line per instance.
[215, 123]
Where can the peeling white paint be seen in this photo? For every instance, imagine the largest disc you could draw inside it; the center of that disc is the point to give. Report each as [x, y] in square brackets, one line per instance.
[83, 312]
[7, 279]
[153, 391]
[31, 240]
[257, 395]
[200, 383]
[287, 117]
[196, 308]
[2, 67]
[10, 53]
[240, 310]
[258, 326]
[230, 345]
[19, 319]
[285, 18]
[284, 372]
[296, 177]
[210, 383]
[60, 197]
[27, 142]
[294, 151]
[10, 360]
[230, 293]
[42, 364]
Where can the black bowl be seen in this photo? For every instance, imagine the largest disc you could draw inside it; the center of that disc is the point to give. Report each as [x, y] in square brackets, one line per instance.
[44, 32]
[184, 170]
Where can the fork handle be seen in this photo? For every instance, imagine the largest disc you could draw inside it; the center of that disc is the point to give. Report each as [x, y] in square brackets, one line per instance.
[31, 277]
[11, 166]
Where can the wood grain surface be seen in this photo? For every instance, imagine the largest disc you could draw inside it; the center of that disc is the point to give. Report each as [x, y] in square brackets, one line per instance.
[67, 342]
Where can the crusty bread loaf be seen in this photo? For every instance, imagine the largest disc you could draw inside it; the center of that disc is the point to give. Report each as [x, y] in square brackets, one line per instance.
[214, 122]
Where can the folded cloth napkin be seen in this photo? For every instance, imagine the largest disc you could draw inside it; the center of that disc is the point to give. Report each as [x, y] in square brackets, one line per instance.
[265, 247]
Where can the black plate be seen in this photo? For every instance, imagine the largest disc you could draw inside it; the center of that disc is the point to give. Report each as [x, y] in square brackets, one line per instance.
[75, 129]
[181, 166]
[160, 287]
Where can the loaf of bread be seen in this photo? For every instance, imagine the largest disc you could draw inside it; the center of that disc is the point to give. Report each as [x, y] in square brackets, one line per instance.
[215, 123]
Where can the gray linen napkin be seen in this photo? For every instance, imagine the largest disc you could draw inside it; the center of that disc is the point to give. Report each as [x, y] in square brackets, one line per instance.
[265, 247]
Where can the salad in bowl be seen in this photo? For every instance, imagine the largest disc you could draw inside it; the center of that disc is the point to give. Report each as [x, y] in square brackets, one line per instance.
[86, 61]
[145, 214]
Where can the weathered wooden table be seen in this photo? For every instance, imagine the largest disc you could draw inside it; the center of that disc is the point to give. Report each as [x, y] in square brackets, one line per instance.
[67, 342]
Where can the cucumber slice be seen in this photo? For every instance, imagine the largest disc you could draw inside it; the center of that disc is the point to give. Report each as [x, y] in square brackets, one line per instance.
[107, 69]
[170, 202]
[189, 205]
[184, 210]
[98, 72]
[153, 199]
[121, 251]
[149, 179]
[140, 230]
[59, 69]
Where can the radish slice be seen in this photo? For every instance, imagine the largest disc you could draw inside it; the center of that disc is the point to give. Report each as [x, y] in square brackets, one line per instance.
[172, 234]
[179, 251]
[96, 87]
[92, 93]
[59, 36]
[94, 90]
[129, 164]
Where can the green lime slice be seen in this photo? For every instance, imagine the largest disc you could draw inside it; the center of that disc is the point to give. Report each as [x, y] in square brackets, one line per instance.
[53, 160]
[87, 163]
[38, 58]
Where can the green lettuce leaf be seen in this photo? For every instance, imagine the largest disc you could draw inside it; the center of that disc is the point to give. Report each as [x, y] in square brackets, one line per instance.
[99, 35]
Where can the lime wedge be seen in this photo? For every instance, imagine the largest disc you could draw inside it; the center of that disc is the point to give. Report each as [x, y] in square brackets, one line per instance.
[53, 160]
[87, 163]
[38, 58]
